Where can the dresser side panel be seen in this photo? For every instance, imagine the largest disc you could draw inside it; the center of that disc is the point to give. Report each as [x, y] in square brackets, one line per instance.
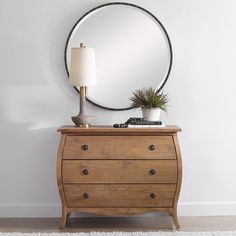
[59, 170]
[179, 168]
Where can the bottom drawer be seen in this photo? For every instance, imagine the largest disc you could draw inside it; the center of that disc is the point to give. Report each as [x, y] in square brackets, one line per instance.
[109, 195]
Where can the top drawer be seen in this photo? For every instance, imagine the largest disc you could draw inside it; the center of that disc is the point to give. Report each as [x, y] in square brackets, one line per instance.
[119, 147]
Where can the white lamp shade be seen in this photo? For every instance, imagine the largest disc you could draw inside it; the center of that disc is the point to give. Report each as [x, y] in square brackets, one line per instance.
[82, 67]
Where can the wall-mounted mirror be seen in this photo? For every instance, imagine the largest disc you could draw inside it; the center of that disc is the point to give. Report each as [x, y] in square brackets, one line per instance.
[132, 50]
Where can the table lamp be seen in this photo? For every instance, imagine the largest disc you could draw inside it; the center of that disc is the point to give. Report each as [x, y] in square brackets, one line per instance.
[82, 74]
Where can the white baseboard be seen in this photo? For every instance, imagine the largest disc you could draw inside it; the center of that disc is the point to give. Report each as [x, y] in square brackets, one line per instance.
[54, 210]
[207, 208]
[29, 210]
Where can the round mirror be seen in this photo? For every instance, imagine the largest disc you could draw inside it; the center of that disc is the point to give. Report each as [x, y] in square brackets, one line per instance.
[132, 51]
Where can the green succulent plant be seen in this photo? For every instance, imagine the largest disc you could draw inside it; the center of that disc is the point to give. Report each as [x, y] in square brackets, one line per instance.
[148, 98]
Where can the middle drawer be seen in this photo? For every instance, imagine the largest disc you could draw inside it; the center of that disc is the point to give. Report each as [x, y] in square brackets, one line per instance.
[119, 171]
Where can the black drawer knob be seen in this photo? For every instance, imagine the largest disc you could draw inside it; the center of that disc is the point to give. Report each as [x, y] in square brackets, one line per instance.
[85, 195]
[152, 172]
[85, 172]
[152, 195]
[152, 147]
[84, 147]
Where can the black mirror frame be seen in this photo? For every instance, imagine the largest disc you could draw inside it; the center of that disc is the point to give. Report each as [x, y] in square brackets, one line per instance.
[132, 5]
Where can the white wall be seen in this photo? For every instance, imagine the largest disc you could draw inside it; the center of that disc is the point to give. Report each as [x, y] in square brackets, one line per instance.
[35, 99]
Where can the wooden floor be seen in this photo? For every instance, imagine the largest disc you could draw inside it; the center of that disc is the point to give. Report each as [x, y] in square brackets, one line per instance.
[158, 223]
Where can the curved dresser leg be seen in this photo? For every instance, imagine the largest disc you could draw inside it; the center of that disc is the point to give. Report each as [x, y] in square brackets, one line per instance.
[175, 218]
[63, 218]
[179, 181]
[68, 222]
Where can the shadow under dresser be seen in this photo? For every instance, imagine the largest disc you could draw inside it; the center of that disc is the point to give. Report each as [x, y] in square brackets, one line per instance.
[119, 171]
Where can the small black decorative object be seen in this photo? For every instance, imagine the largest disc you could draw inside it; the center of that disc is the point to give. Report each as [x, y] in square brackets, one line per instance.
[136, 121]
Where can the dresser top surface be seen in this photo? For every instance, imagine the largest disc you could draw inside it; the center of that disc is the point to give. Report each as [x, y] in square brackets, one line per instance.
[110, 129]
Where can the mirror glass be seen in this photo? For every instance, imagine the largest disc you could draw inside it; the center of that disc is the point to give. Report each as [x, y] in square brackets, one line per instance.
[132, 51]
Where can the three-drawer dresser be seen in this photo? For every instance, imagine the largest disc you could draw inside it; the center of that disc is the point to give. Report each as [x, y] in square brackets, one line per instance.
[119, 171]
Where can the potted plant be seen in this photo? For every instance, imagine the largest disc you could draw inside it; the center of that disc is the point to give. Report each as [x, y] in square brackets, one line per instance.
[150, 102]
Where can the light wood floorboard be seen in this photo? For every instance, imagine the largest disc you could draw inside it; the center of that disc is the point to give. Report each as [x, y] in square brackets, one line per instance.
[158, 223]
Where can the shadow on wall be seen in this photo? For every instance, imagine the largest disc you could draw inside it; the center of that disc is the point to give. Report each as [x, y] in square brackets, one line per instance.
[29, 158]
[35, 100]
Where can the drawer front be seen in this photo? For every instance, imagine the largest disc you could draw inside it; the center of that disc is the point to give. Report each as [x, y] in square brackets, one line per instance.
[119, 147]
[126, 195]
[119, 171]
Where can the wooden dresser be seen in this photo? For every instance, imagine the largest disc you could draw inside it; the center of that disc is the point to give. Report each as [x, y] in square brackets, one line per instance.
[119, 171]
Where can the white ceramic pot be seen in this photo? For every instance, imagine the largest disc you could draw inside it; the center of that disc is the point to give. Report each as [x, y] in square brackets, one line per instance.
[151, 114]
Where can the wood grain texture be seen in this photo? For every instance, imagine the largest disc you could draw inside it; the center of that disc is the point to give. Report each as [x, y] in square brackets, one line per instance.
[119, 171]
[60, 181]
[105, 195]
[179, 181]
[116, 131]
[118, 162]
[118, 211]
[119, 147]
